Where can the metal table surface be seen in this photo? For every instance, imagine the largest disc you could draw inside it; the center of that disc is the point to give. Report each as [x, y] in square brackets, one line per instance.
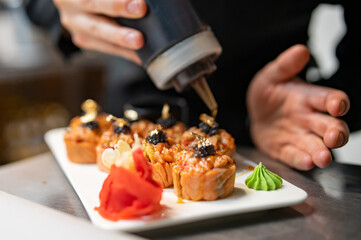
[331, 211]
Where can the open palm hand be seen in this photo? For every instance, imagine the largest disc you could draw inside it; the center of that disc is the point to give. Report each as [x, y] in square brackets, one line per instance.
[294, 121]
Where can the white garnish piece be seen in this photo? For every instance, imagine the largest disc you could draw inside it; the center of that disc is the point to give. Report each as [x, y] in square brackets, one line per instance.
[110, 156]
[122, 146]
[121, 156]
[126, 161]
[137, 144]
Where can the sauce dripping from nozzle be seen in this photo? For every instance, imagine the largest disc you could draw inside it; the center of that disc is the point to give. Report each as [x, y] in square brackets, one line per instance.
[201, 86]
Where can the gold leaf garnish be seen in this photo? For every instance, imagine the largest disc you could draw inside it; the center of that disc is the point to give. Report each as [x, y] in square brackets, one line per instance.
[131, 114]
[120, 122]
[165, 111]
[89, 105]
[110, 118]
[207, 119]
[90, 108]
[154, 132]
[201, 141]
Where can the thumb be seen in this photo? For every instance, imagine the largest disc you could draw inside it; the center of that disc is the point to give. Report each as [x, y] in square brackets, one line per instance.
[287, 65]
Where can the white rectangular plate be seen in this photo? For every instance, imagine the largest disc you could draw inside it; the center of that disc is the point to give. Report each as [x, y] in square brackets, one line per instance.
[87, 181]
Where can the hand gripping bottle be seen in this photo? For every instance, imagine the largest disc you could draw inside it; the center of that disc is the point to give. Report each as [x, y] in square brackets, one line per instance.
[179, 49]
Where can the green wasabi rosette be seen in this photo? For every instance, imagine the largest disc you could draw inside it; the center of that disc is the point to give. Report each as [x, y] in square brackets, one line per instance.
[262, 179]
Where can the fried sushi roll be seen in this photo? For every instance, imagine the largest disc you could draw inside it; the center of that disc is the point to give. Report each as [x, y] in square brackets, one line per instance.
[84, 133]
[208, 128]
[203, 174]
[161, 155]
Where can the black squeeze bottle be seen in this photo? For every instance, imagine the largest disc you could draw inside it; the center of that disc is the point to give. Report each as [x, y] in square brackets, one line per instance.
[179, 49]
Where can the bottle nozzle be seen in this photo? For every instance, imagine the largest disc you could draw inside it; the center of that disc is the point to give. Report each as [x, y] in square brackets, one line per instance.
[202, 88]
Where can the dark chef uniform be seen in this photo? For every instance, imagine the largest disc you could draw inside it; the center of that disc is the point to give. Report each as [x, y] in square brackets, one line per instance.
[252, 33]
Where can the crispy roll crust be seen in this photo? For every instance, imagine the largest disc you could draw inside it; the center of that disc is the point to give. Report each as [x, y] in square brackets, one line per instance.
[162, 173]
[81, 141]
[206, 179]
[81, 152]
[162, 158]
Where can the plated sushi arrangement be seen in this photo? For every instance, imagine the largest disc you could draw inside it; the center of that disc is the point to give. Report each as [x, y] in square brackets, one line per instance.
[142, 158]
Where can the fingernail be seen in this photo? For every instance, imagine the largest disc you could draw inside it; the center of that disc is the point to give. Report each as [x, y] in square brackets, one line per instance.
[341, 140]
[342, 108]
[324, 158]
[297, 160]
[132, 39]
[134, 7]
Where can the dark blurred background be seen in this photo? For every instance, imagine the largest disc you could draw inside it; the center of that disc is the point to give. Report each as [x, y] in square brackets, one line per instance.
[40, 91]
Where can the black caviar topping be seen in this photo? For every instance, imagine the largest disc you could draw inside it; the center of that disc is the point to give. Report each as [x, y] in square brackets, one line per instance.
[204, 151]
[121, 129]
[157, 136]
[204, 147]
[166, 122]
[91, 125]
[210, 130]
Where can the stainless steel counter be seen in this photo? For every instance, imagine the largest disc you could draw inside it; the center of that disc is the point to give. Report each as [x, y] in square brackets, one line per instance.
[332, 210]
